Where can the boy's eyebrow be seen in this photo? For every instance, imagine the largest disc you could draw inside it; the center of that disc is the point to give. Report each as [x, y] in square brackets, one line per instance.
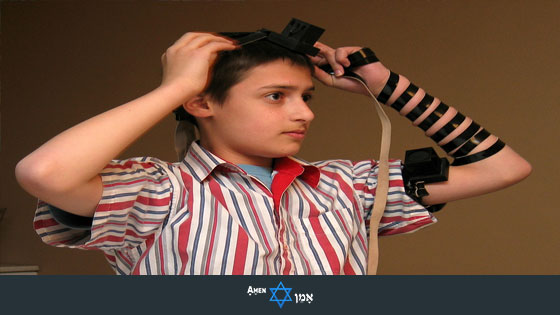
[285, 87]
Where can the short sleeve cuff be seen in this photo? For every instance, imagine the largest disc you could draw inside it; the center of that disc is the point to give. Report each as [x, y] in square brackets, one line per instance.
[71, 220]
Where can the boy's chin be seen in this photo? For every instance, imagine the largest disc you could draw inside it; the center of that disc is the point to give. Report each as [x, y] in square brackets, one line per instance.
[279, 155]
[289, 152]
[286, 154]
[277, 151]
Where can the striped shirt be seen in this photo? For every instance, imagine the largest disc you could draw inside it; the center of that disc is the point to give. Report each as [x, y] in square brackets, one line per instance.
[204, 215]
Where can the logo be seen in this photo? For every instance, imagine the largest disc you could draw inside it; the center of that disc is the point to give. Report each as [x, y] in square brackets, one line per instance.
[280, 294]
[286, 297]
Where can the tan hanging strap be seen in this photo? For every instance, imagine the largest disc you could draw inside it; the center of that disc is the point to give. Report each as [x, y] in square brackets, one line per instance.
[382, 184]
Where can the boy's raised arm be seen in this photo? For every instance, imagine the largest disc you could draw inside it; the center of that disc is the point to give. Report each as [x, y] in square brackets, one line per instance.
[448, 128]
[64, 171]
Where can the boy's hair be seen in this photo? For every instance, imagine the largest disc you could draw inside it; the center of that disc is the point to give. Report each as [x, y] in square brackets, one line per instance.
[232, 65]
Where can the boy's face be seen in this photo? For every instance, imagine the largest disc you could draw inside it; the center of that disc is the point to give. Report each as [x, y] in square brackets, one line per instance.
[264, 116]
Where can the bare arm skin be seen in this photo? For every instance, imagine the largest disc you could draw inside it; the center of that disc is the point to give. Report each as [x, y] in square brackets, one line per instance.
[65, 171]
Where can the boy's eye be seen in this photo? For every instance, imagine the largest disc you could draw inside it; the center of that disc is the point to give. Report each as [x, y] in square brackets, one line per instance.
[278, 96]
[274, 96]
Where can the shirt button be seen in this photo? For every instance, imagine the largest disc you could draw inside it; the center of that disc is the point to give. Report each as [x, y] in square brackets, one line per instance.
[285, 247]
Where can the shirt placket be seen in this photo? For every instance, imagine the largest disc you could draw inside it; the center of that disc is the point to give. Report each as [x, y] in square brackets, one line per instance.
[265, 191]
[286, 265]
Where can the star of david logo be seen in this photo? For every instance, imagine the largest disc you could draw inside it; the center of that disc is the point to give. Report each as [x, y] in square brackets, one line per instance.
[280, 287]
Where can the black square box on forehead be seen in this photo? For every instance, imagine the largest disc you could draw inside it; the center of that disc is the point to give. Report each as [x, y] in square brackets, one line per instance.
[298, 36]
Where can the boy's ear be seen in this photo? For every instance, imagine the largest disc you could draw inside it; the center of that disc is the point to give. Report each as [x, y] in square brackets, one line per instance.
[199, 106]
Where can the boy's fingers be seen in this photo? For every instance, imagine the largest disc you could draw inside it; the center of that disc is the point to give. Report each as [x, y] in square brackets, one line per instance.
[196, 39]
[189, 36]
[338, 69]
[199, 41]
[316, 60]
[341, 56]
[329, 54]
[186, 38]
[206, 43]
[321, 46]
[216, 46]
[322, 76]
[321, 58]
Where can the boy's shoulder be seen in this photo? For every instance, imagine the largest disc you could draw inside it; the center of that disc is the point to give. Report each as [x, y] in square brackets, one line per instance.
[136, 163]
[343, 167]
[342, 163]
[357, 169]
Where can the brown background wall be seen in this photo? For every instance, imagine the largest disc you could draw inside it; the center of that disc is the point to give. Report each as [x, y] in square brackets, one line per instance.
[497, 61]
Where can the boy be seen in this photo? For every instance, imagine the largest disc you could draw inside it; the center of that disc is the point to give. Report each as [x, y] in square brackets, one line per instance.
[239, 203]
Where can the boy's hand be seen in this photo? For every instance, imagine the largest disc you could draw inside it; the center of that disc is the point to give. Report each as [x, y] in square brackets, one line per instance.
[375, 74]
[187, 62]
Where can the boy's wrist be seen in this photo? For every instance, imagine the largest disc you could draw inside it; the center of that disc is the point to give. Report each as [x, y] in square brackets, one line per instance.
[177, 94]
[376, 76]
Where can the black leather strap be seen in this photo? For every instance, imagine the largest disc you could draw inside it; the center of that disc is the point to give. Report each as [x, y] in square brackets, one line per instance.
[472, 143]
[462, 138]
[420, 108]
[410, 91]
[362, 57]
[389, 88]
[493, 149]
[434, 116]
[448, 128]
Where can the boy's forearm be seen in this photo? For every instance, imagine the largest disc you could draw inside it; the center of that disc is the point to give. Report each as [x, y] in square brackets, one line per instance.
[454, 133]
[414, 101]
[78, 154]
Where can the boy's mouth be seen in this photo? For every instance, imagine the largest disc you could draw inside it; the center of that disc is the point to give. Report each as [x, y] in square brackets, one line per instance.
[298, 134]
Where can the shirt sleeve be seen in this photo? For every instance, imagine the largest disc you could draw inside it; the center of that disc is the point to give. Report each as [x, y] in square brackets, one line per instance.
[136, 201]
[402, 214]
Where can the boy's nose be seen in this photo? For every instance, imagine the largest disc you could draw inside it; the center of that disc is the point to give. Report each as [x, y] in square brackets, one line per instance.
[303, 112]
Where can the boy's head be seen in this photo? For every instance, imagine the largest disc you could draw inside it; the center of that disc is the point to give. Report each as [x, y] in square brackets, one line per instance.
[255, 108]
[232, 66]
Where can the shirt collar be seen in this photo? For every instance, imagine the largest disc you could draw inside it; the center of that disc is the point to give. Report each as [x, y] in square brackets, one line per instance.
[201, 163]
[298, 168]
